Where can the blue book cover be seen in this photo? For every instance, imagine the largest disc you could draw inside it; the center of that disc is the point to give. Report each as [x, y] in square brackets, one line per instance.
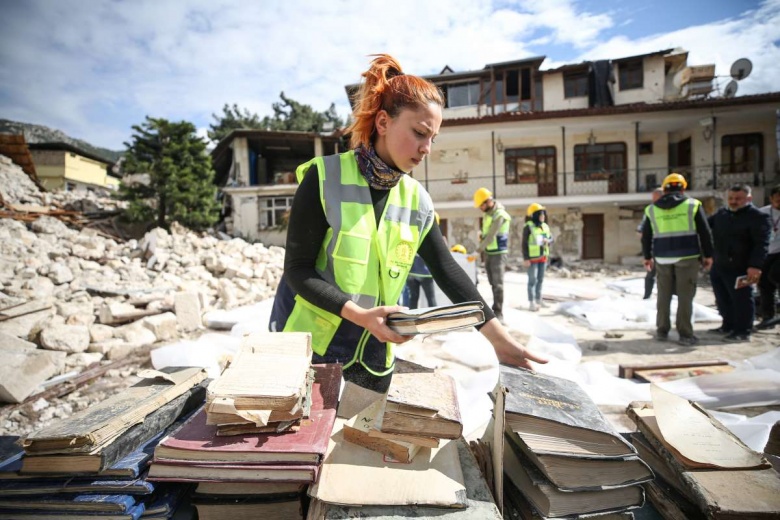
[79, 503]
[32, 487]
[134, 513]
[166, 499]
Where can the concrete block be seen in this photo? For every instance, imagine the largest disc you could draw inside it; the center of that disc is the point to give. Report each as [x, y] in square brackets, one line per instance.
[187, 306]
[21, 373]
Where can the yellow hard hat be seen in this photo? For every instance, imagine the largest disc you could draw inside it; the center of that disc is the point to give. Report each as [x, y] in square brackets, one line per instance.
[533, 208]
[458, 248]
[480, 196]
[674, 178]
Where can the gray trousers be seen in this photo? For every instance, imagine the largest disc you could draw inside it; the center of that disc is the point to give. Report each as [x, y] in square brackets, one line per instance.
[495, 266]
[678, 278]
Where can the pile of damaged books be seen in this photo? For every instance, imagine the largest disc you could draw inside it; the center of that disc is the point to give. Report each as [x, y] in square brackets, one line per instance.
[94, 462]
[702, 469]
[261, 436]
[561, 456]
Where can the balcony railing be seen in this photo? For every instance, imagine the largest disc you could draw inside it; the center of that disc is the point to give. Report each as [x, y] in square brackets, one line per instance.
[701, 178]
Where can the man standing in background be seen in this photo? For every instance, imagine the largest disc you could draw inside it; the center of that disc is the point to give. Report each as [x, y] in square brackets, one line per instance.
[676, 241]
[741, 235]
[770, 275]
[494, 241]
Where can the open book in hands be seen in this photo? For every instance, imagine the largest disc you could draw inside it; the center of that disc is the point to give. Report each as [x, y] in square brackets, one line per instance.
[430, 320]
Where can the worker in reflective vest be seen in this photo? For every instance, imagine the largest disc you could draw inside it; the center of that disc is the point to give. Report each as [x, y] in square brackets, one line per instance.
[676, 240]
[356, 223]
[536, 252]
[494, 243]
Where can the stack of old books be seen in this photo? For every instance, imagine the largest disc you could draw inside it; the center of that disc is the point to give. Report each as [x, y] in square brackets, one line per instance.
[420, 410]
[560, 453]
[94, 462]
[403, 451]
[260, 439]
[702, 469]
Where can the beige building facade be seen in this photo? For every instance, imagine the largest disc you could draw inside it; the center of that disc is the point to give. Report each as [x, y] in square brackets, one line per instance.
[61, 166]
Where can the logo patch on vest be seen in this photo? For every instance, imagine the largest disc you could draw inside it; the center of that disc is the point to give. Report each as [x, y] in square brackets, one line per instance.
[404, 253]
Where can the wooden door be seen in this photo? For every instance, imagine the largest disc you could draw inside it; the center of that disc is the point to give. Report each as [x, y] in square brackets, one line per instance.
[592, 237]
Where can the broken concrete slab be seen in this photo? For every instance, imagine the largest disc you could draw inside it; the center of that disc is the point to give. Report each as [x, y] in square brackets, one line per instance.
[21, 373]
[66, 338]
[115, 313]
[21, 325]
[188, 310]
[164, 326]
[99, 333]
[12, 343]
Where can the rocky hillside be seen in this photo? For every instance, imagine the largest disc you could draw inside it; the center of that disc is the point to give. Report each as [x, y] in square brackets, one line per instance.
[43, 134]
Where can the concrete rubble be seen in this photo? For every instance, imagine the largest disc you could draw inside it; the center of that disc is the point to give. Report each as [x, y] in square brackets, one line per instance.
[70, 298]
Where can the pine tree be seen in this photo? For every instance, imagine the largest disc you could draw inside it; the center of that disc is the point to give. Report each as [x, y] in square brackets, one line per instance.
[181, 187]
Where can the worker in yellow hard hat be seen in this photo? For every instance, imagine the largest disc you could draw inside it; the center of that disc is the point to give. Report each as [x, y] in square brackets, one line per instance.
[494, 241]
[676, 240]
[458, 248]
[536, 252]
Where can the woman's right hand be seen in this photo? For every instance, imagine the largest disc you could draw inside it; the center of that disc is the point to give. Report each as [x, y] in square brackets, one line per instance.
[374, 320]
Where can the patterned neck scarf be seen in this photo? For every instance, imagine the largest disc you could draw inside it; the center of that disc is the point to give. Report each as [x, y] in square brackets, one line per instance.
[377, 173]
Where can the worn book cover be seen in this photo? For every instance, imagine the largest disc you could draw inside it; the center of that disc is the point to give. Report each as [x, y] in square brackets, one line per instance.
[551, 501]
[423, 404]
[358, 428]
[81, 503]
[284, 508]
[355, 476]
[555, 416]
[197, 441]
[429, 320]
[584, 474]
[186, 471]
[105, 457]
[478, 500]
[134, 513]
[238, 489]
[719, 493]
[268, 373]
[102, 423]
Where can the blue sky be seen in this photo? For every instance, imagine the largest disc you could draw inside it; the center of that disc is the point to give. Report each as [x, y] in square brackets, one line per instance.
[95, 68]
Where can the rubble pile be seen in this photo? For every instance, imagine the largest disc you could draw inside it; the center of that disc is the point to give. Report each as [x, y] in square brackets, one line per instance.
[71, 298]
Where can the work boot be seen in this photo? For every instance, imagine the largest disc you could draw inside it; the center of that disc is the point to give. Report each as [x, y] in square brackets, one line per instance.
[542, 304]
[532, 307]
[688, 341]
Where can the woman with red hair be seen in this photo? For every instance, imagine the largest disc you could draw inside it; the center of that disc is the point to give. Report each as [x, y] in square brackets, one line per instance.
[356, 223]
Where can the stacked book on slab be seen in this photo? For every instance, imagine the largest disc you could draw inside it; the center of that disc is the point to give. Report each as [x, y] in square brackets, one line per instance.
[560, 455]
[702, 469]
[431, 320]
[402, 455]
[420, 410]
[283, 409]
[94, 462]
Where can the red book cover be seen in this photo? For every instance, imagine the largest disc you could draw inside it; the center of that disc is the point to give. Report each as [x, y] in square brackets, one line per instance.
[195, 442]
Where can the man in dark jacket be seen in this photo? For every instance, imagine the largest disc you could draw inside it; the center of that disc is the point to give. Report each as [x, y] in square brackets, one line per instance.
[741, 235]
[676, 240]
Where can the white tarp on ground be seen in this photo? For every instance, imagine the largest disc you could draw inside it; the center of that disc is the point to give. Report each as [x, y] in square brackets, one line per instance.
[614, 313]
[209, 351]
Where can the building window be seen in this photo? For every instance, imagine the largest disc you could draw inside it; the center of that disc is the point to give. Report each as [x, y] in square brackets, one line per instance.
[742, 153]
[529, 165]
[599, 161]
[631, 74]
[575, 84]
[274, 211]
[646, 148]
[462, 95]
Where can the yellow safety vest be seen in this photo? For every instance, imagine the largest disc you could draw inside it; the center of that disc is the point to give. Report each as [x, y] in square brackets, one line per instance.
[534, 249]
[674, 230]
[366, 261]
[500, 243]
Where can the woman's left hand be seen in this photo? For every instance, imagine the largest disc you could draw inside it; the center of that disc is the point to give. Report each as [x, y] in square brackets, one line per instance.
[508, 350]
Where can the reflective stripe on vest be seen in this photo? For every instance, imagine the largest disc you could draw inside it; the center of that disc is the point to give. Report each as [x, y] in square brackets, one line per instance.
[674, 230]
[367, 262]
[534, 249]
[500, 243]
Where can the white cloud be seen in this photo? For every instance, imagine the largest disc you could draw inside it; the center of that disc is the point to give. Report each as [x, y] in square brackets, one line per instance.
[95, 68]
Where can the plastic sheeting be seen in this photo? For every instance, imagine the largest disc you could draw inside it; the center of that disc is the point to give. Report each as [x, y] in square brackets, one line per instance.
[210, 351]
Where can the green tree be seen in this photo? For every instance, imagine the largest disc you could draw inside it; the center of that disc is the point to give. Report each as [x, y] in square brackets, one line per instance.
[232, 118]
[288, 115]
[292, 115]
[181, 177]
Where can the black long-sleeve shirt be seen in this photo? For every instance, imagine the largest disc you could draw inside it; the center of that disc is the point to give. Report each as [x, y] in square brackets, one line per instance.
[306, 231]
